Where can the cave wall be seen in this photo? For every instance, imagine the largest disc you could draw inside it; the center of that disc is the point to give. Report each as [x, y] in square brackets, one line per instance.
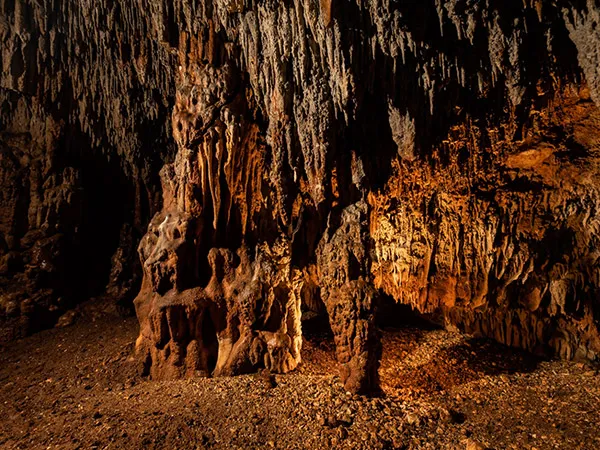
[314, 156]
[85, 96]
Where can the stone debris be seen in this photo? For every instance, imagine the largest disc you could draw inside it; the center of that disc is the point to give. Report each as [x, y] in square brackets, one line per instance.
[456, 399]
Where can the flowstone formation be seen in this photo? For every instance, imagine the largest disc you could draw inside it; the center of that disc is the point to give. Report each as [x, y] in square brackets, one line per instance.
[442, 154]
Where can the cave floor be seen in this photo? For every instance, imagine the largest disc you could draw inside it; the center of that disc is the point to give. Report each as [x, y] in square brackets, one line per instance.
[78, 387]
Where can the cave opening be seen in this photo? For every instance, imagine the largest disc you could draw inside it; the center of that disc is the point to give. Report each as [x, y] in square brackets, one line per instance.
[106, 209]
[210, 342]
[107, 222]
[315, 320]
[392, 315]
[315, 326]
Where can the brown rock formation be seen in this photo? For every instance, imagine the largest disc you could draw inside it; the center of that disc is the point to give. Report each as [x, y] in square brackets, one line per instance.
[83, 133]
[511, 252]
[444, 154]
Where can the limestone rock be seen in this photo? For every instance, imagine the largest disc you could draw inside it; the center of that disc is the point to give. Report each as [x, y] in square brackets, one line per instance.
[286, 157]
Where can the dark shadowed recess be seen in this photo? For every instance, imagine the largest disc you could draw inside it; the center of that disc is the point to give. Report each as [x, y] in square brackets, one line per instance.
[390, 316]
[108, 203]
[393, 315]
[116, 209]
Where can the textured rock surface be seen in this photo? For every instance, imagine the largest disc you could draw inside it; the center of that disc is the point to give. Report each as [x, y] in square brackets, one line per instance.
[444, 154]
[83, 133]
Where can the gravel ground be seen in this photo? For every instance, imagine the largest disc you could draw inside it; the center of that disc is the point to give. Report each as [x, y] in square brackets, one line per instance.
[79, 387]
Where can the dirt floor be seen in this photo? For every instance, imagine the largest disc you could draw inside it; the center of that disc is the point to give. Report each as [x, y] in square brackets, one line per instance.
[78, 387]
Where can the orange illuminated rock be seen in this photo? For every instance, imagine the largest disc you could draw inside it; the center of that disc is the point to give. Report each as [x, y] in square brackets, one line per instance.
[281, 159]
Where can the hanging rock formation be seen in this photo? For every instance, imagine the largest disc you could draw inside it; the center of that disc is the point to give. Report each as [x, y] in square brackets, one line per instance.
[85, 98]
[442, 153]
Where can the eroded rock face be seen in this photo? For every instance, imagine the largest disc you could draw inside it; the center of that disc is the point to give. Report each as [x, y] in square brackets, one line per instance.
[456, 176]
[509, 253]
[444, 154]
[83, 133]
